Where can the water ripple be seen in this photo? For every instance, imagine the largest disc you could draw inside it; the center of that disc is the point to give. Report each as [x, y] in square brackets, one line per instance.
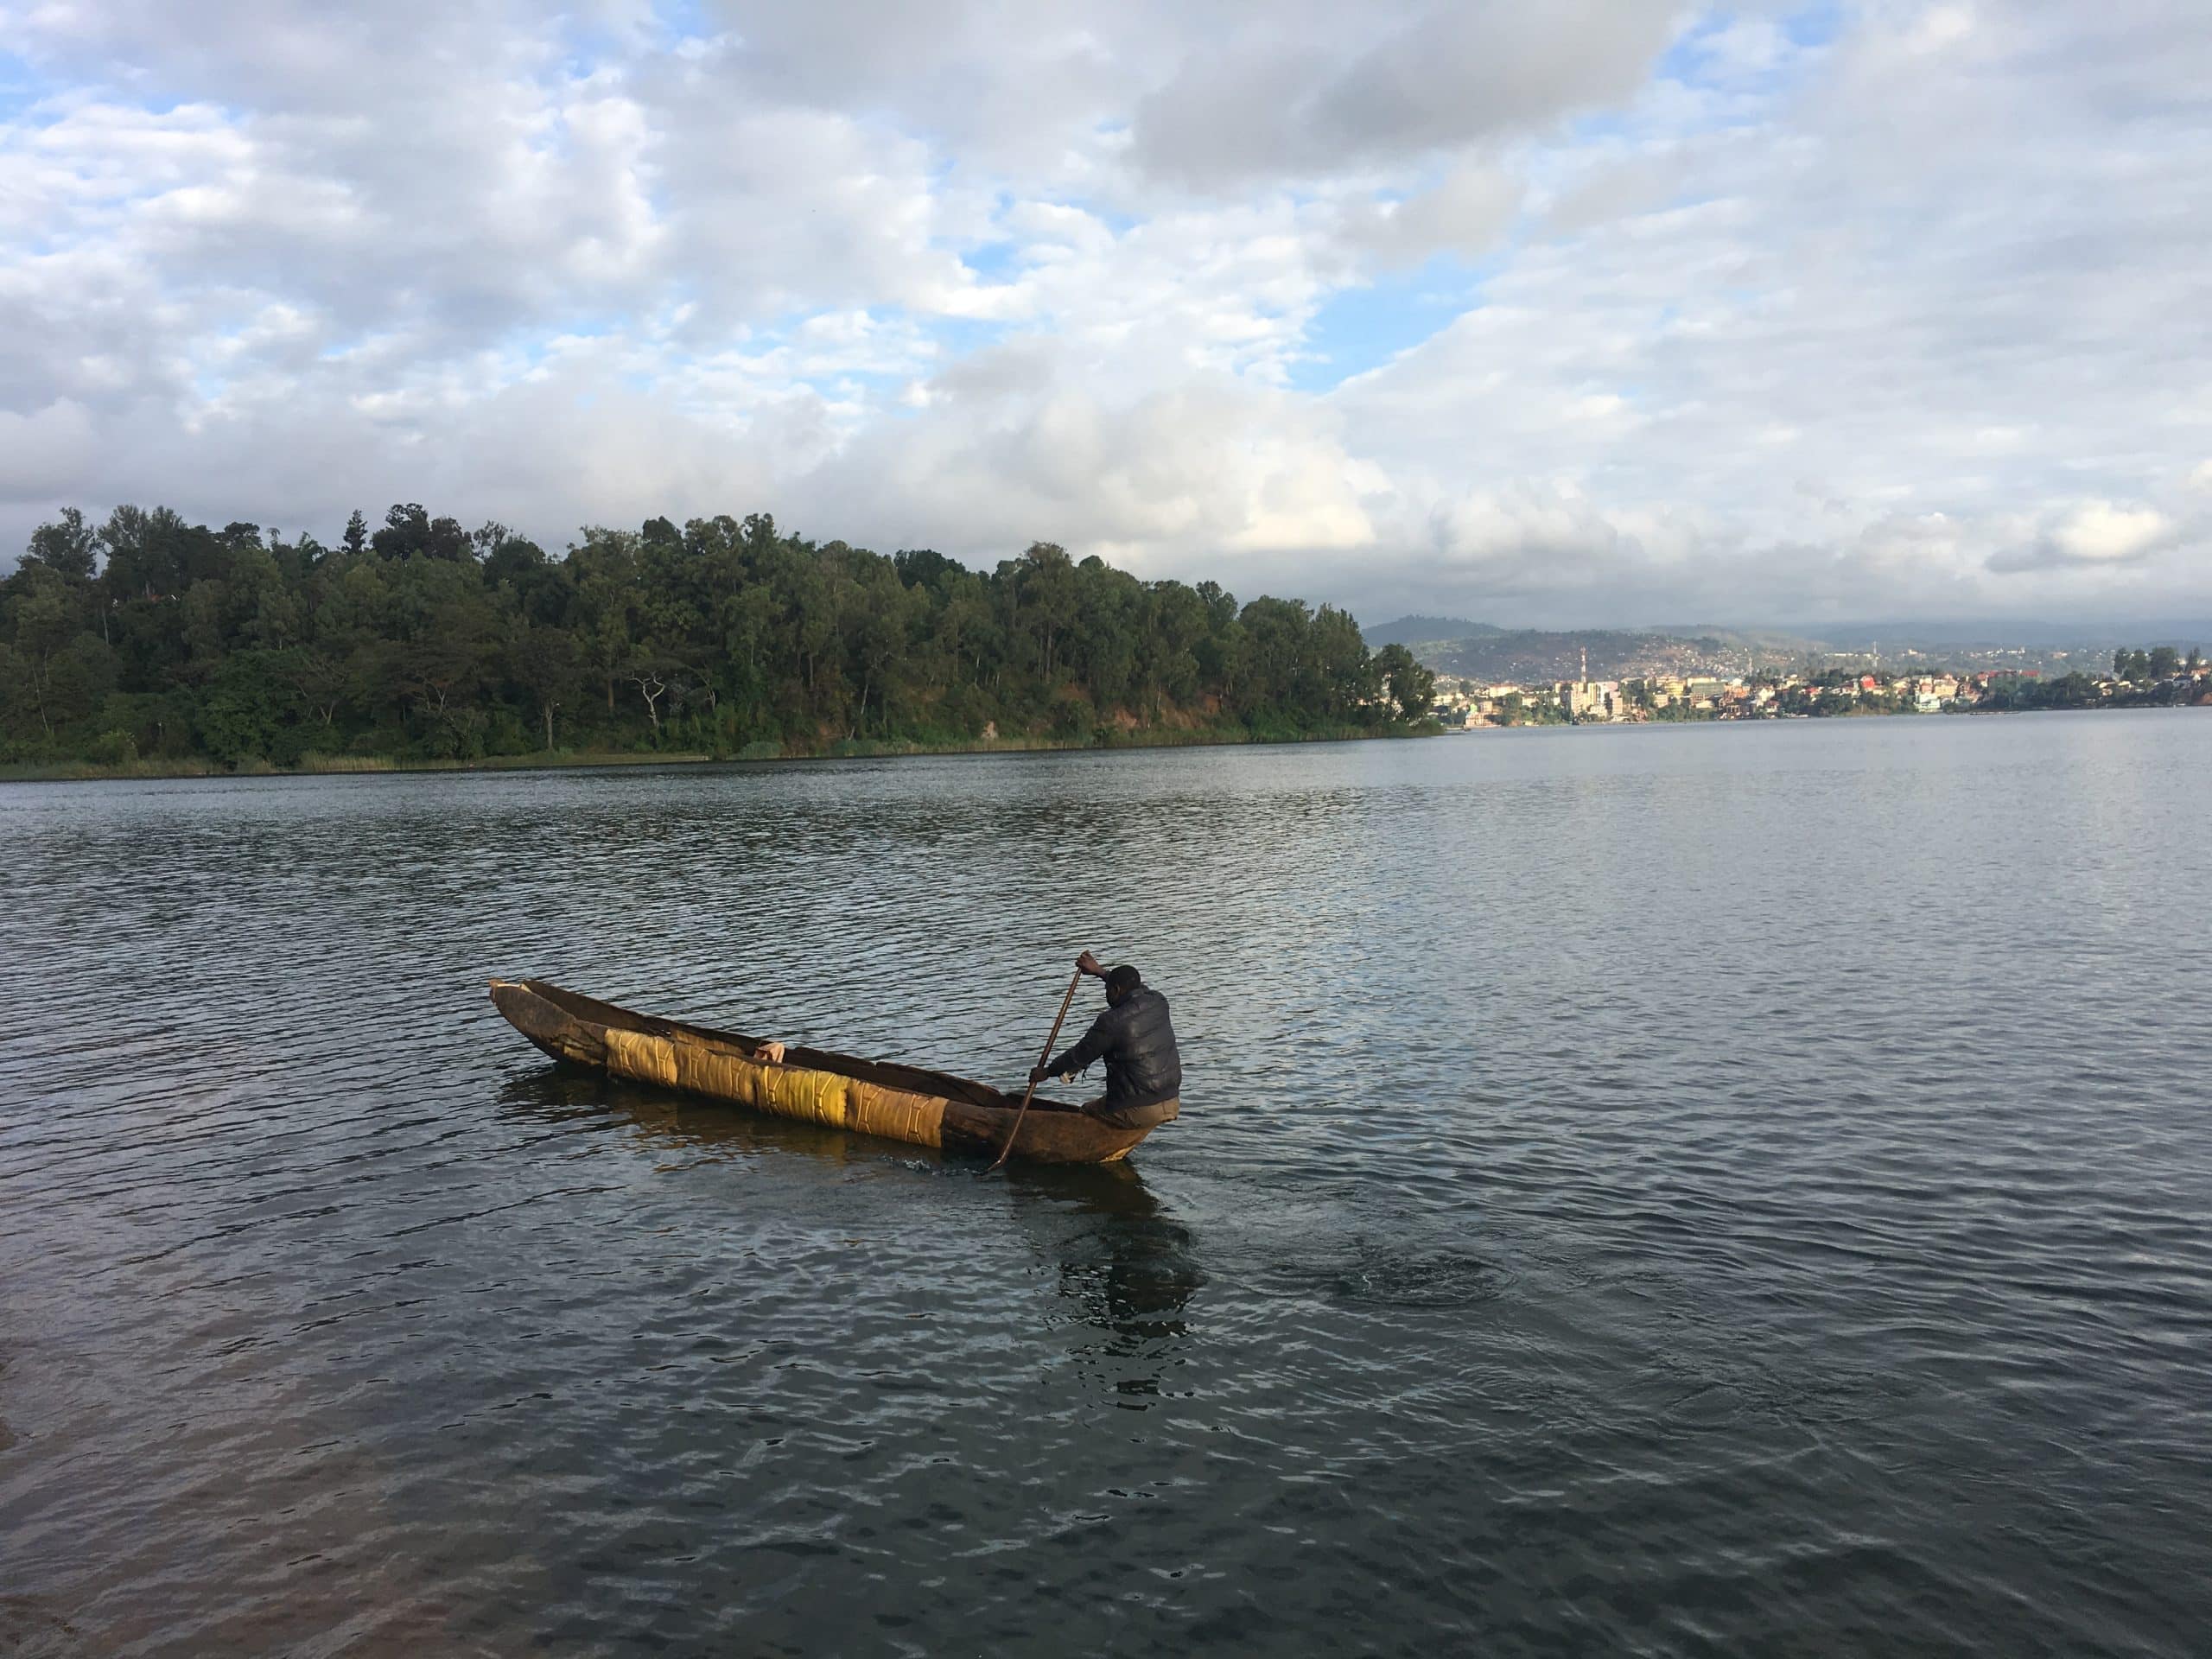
[1659, 1193]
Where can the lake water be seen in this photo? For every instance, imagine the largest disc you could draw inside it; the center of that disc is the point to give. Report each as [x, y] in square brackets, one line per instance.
[1708, 1189]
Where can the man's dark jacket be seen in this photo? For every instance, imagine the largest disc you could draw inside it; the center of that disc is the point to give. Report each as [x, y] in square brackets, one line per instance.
[1138, 1044]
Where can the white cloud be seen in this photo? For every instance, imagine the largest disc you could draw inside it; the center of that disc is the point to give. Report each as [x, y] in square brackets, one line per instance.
[1301, 90]
[2097, 532]
[1837, 313]
[47, 446]
[1466, 213]
[2091, 534]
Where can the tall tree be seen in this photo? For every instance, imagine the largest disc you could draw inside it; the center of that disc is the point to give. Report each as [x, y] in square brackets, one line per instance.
[545, 662]
[1411, 684]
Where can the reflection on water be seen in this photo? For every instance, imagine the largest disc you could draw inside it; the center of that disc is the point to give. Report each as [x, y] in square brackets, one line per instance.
[1664, 1192]
[585, 1101]
[1124, 1262]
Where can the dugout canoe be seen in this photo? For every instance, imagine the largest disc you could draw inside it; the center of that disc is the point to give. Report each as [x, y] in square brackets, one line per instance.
[899, 1103]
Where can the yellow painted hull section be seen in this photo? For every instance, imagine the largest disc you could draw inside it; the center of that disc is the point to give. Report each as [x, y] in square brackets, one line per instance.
[791, 1091]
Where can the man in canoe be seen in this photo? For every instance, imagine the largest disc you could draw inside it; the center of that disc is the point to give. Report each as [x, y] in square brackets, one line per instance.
[1144, 1070]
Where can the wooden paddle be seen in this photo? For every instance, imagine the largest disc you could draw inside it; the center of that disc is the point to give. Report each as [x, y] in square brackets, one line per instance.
[1027, 1093]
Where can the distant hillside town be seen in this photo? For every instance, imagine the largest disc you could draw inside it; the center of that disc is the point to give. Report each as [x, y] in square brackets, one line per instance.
[1485, 654]
[2158, 677]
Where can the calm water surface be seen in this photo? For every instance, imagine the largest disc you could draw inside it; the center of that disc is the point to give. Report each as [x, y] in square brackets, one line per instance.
[1663, 1192]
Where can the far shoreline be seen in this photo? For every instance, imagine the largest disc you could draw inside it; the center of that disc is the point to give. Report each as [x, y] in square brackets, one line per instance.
[88, 771]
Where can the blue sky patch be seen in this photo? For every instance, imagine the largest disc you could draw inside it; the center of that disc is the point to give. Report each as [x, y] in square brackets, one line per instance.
[1360, 328]
[993, 262]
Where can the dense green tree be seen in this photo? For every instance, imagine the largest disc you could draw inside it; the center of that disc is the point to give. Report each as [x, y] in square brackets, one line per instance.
[546, 665]
[54, 672]
[249, 704]
[1411, 685]
[68, 547]
[1347, 674]
[1042, 590]
[148, 637]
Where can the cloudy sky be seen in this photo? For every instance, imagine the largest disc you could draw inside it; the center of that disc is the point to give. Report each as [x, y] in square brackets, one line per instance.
[1592, 311]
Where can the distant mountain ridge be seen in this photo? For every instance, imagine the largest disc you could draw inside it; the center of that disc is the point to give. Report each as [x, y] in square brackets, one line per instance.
[1538, 656]
[2031, 632]
[1855, 634]
[1482, 651]
[1411, 631]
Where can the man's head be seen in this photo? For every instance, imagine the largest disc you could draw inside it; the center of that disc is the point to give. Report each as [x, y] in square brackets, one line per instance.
[1122, 983]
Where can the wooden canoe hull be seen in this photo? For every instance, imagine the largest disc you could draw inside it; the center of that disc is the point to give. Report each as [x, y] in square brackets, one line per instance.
[899, 1102]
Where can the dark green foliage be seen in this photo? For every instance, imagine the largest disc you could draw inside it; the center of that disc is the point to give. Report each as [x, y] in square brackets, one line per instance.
[147, 638]
[1411, 685]
[247, 707]
[2018, 691]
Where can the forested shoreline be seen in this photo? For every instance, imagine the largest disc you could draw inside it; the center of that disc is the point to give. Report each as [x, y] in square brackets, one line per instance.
[146, 642]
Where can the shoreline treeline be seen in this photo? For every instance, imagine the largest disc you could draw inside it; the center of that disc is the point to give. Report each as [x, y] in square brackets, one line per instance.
[150, 639]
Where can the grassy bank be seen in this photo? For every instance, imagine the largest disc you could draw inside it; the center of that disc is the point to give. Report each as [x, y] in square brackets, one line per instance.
[548, 760]
[317, 765]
